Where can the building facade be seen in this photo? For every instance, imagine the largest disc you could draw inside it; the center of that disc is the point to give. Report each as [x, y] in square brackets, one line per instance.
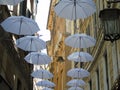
[14, 70]
[57, 49]
[104, 69]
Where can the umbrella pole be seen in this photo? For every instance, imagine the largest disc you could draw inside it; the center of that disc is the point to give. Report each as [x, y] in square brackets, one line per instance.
[80, 50]
[78, 74]
[31, 44]
[41, 67]
[76, 88]
[42, 75]
[75, 21]
[20, 25]
[75, 26]
[38, 59]
[20, 28]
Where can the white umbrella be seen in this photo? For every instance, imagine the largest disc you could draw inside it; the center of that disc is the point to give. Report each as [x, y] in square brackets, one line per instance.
[75, 88]
[31, 43]
[80, 57]
[42, 74]
[38, 58]
[76, 83]
[9, 2]
[20, 25]
[80, 41]
[75, 9]
[78, 73]
[46, 88]
[45, 83]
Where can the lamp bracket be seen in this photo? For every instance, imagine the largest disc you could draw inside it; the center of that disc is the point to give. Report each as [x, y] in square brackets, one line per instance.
[112, 1]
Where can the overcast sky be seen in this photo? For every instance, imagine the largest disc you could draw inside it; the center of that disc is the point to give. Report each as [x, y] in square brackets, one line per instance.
[41, 18]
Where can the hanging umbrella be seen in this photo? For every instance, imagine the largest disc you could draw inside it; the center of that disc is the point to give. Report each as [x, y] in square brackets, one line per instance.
[78, 73]
[38, 58]
[20, 25]
[75, 88]
[45, 83]
[46, 88]
[80, 41]
[76, 83]
[30, 43]
[10, 2]
[75, 9]
[42, 74]
[80, 57]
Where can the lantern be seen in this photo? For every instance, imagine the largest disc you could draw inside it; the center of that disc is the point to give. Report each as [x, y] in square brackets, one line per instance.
[110, 20]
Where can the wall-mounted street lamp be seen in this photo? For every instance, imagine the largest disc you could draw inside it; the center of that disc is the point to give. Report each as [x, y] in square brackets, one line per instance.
[110, 20]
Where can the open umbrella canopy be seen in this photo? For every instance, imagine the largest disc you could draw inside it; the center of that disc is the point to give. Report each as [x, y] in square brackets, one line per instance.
[78, 73]
[80, 57]
[45, 83]
[9, 2]
[46, 88]
[80, 41]
[42, 74]
[31, 43]
[76, 83]
[38, 58]
[75, 88]
[20, 25]
[75, 9]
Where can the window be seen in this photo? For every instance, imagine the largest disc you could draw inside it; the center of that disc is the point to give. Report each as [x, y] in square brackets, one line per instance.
[90, 82]
[106, 66]
[23, 8]
[98, 80]
[19, 85]
[28, 13]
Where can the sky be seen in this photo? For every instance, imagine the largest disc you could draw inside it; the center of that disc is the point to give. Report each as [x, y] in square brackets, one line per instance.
[41, 18]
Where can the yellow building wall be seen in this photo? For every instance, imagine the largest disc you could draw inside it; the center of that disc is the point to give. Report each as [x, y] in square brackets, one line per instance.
[104, 70]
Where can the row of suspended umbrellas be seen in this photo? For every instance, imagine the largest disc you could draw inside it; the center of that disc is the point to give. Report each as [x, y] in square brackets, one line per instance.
[21, 25]
[79, 41]
[26, 29]
[68, 9]
[73, 10]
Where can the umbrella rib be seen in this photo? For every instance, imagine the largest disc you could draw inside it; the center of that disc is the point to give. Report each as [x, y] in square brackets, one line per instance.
[38, 58]
[44, 59]
[65, 7]
[11, 22]
[36, 44]
[28, 45]
[83, 7]
[31, 43]
[75, 41]
[20, 25]
[83, 2]
[30, 25]
[30, 57]
[83, 10]
[74, 6]
[91, 39]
